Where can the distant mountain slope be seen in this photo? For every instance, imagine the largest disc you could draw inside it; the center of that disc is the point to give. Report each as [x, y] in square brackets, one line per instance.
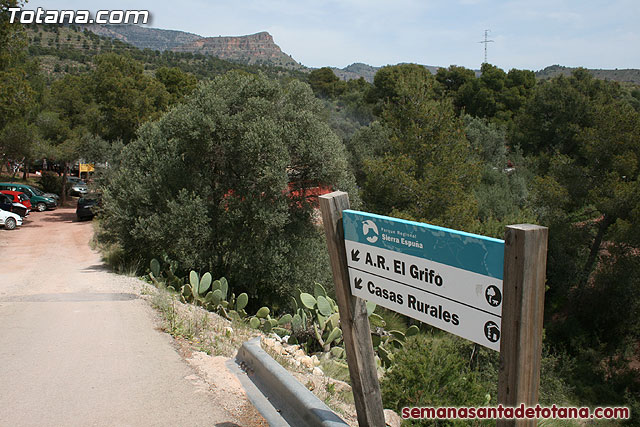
[256, 48]
[64, 49]
[144, 37]
[355, 71]
[624, 76]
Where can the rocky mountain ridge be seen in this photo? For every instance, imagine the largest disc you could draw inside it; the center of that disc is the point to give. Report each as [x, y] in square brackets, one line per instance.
[256, 48]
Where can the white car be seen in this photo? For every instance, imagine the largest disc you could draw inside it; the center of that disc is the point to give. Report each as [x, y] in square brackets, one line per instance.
[10, 220]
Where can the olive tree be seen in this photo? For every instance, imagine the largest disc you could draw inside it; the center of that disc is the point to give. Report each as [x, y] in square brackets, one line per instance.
[223, 181]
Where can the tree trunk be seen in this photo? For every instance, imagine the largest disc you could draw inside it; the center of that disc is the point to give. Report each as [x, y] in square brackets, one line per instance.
[63, 196]
[15, 172]
[25, 169]
[604, 225]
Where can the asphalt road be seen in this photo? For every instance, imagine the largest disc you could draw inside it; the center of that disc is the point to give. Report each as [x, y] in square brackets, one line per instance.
[79, 348]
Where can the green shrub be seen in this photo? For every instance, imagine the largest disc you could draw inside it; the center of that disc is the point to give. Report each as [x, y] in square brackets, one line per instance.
[553, 388]
[222, 184]
[50, 182]
[433, 370]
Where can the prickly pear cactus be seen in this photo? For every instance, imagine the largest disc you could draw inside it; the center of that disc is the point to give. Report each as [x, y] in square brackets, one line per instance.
[242, 301]
[154, 265]
[205, 283]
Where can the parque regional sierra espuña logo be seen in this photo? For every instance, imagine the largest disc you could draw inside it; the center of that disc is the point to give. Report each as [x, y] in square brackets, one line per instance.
[370, 230]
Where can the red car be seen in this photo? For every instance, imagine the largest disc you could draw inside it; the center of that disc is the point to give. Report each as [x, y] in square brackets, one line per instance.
[18, 197]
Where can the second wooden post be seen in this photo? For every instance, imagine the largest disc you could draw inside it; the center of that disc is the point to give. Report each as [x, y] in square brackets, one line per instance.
[525, 264]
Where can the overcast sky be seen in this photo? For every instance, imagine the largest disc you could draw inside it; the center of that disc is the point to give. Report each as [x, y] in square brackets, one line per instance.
[527, 34]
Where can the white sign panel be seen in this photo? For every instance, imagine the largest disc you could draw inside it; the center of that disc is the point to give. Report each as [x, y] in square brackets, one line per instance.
[445, 278]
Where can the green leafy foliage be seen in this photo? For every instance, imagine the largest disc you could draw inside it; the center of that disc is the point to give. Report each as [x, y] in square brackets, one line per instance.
[434, 372]
[222, 182]
[494, 95]
[176, 82]
[558, 109]
[126, 96]
[19, 90]
[502, 189]
[453, 78]
[427, 171]
[16, 95]
[367, 144]
[50, 182]
[586, 191]
[394, 84]
[587, 197]
[325, 83]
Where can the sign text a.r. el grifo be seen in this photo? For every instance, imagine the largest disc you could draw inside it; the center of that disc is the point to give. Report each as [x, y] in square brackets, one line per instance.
[446, 278]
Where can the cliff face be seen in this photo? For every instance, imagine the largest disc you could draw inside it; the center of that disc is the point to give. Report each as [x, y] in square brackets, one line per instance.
[253, 49]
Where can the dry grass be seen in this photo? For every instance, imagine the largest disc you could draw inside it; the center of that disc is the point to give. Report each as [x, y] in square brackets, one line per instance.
[212, 334]
[206, 331]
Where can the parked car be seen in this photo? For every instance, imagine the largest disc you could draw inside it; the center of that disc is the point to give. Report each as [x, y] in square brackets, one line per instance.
[7, 204]
[77, 186]
[39, 199]
[87, 207]
[9, 220]
[18, 197]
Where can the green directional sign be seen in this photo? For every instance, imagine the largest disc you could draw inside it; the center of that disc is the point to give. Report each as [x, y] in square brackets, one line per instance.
[446, 278]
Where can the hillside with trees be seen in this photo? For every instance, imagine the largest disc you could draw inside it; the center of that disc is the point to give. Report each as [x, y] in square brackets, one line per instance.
[630, 75]
[62, 49]
[143, 37]
[223, 159]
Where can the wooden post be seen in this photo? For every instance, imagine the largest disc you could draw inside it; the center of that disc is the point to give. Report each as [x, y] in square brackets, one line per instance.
[525, 263]
[353, 317]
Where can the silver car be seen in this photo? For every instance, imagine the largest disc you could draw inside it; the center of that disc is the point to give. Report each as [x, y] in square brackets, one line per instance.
[78, 186]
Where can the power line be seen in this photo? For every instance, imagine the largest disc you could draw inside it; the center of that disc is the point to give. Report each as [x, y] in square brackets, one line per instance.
[485, 41]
